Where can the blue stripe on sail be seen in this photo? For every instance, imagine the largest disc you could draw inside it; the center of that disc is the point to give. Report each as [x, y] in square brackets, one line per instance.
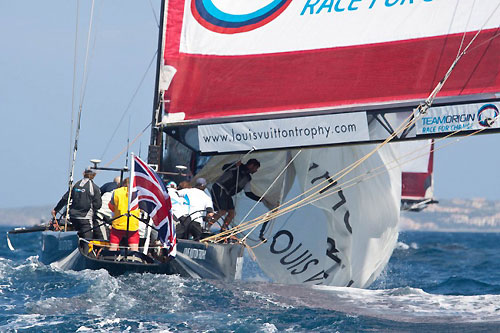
[236, 21]
[220, 15]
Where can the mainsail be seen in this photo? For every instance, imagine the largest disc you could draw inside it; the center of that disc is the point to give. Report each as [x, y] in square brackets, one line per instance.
[275, 78]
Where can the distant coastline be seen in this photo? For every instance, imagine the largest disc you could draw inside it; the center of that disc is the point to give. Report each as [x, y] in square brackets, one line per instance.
[455, 215]
[25, 216]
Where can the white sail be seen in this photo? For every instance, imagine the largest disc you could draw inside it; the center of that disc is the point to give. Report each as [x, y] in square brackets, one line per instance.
[272, 166]
[343, 239]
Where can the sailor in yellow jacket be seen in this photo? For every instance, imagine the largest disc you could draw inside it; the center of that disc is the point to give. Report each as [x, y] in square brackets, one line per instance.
[119, 206]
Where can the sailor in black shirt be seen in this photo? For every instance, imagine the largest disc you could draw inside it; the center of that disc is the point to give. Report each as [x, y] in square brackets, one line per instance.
[236, 177]
[85, 201]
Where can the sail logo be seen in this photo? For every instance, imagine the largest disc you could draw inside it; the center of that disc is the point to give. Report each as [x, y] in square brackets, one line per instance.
[284, 132]
[487, 115]
[217, 20]
[463, 117]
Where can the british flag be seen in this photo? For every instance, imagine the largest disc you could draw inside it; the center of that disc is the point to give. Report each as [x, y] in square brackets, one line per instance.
[150, 195]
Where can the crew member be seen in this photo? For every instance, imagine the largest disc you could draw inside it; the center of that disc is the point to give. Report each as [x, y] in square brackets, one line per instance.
[236, 177]
[111, 186]
[104, 214]
[85, 201]
[200, 207]
[123, 226]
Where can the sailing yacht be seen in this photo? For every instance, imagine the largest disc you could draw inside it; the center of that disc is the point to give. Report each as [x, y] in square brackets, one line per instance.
[329, 97]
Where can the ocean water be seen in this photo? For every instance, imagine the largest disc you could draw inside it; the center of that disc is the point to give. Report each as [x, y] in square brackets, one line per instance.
[434, 282]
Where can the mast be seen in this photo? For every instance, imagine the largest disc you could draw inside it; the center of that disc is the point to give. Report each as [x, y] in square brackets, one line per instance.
[155, 147]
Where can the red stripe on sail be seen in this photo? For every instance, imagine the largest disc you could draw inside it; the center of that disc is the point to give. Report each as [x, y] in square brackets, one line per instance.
[173, 27]
[376, 73]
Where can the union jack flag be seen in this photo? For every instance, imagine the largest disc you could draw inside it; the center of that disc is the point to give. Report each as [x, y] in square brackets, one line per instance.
[150, 195]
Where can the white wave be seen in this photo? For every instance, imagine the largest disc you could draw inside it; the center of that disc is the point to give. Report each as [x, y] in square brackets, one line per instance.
[265, 298]
[4, 262]
[257, 278]
[108, 322]
[29, 322]
[404, 246]
[415, 305]
[407, 304]
[31, 263]
[103, 296]
[270, 328]
[7, 266]
[117, 325]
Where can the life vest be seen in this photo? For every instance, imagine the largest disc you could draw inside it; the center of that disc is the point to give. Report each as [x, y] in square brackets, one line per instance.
[119, 205]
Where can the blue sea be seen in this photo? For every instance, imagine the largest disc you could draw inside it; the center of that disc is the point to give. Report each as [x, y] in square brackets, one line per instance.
[434, 282]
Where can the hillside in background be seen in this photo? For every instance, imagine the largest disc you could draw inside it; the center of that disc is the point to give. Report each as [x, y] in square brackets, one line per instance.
[24, 215]
[449, 215]
[455, 215]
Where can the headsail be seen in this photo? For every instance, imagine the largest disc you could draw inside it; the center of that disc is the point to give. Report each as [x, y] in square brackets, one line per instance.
[280, 74]
[345, 235]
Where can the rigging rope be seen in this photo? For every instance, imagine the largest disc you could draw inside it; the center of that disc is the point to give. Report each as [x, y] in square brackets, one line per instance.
[407, 123]
[466, 26]
[268, 188]
[154, 14]
[75, 57]
[273, 214]
[237, 175]
[77, 133]
[127, 146]
[343, 172]
[423, 107]
[129, 104]
[83, 91]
